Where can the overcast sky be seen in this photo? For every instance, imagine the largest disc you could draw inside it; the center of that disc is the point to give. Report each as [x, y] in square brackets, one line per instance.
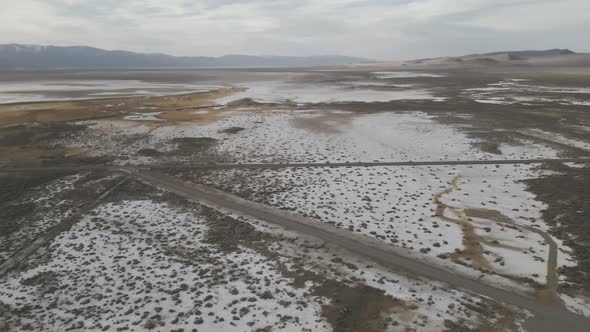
[377, 29]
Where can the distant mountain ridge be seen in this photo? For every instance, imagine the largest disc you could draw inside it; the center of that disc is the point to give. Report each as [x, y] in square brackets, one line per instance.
[498, 56]
[22, 56]
[522, 55]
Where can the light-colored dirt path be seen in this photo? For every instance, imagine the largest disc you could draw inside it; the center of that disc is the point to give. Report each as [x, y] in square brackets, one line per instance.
[545, 318]
[44, 239]
[472, 242]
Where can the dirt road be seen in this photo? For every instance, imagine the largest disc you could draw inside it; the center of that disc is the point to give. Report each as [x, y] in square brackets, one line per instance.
[545, 318]
[62, 168]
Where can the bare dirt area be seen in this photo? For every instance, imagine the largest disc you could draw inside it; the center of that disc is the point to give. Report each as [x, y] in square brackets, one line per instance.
[123, 247]
[35, 133]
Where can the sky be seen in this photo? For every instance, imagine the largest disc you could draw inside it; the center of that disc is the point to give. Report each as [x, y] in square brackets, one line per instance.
[375, 29]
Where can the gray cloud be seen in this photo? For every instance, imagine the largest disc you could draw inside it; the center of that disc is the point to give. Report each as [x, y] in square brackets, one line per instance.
[395, 29]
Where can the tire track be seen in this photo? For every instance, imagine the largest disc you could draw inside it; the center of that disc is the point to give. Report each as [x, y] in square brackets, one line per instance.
[545, 318]
[20, 256]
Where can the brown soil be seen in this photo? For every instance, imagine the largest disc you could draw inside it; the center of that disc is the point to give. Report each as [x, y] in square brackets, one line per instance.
[33, 144]
[227, 233]
[547, 293]
[201, 148]
[189, 109]
[54, 112]
[326, 123]
[195, 142]
[475, 254]
[352, 307]
[473, 251]
[494, 317]
[179, 107]
[232, 130]
[31, 130]
[489, 147]
[356, 308]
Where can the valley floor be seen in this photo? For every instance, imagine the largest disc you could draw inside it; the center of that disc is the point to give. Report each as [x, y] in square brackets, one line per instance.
[92, 239]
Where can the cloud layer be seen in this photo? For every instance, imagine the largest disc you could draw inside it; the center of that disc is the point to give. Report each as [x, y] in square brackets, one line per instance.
[379, 29]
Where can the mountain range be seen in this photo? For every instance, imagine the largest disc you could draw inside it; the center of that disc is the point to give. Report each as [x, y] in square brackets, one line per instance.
[20, 56]
[498, 57]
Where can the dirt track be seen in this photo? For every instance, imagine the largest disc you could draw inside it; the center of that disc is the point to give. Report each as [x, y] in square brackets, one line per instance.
[288, 165]
[66, 224]
[545, 318]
